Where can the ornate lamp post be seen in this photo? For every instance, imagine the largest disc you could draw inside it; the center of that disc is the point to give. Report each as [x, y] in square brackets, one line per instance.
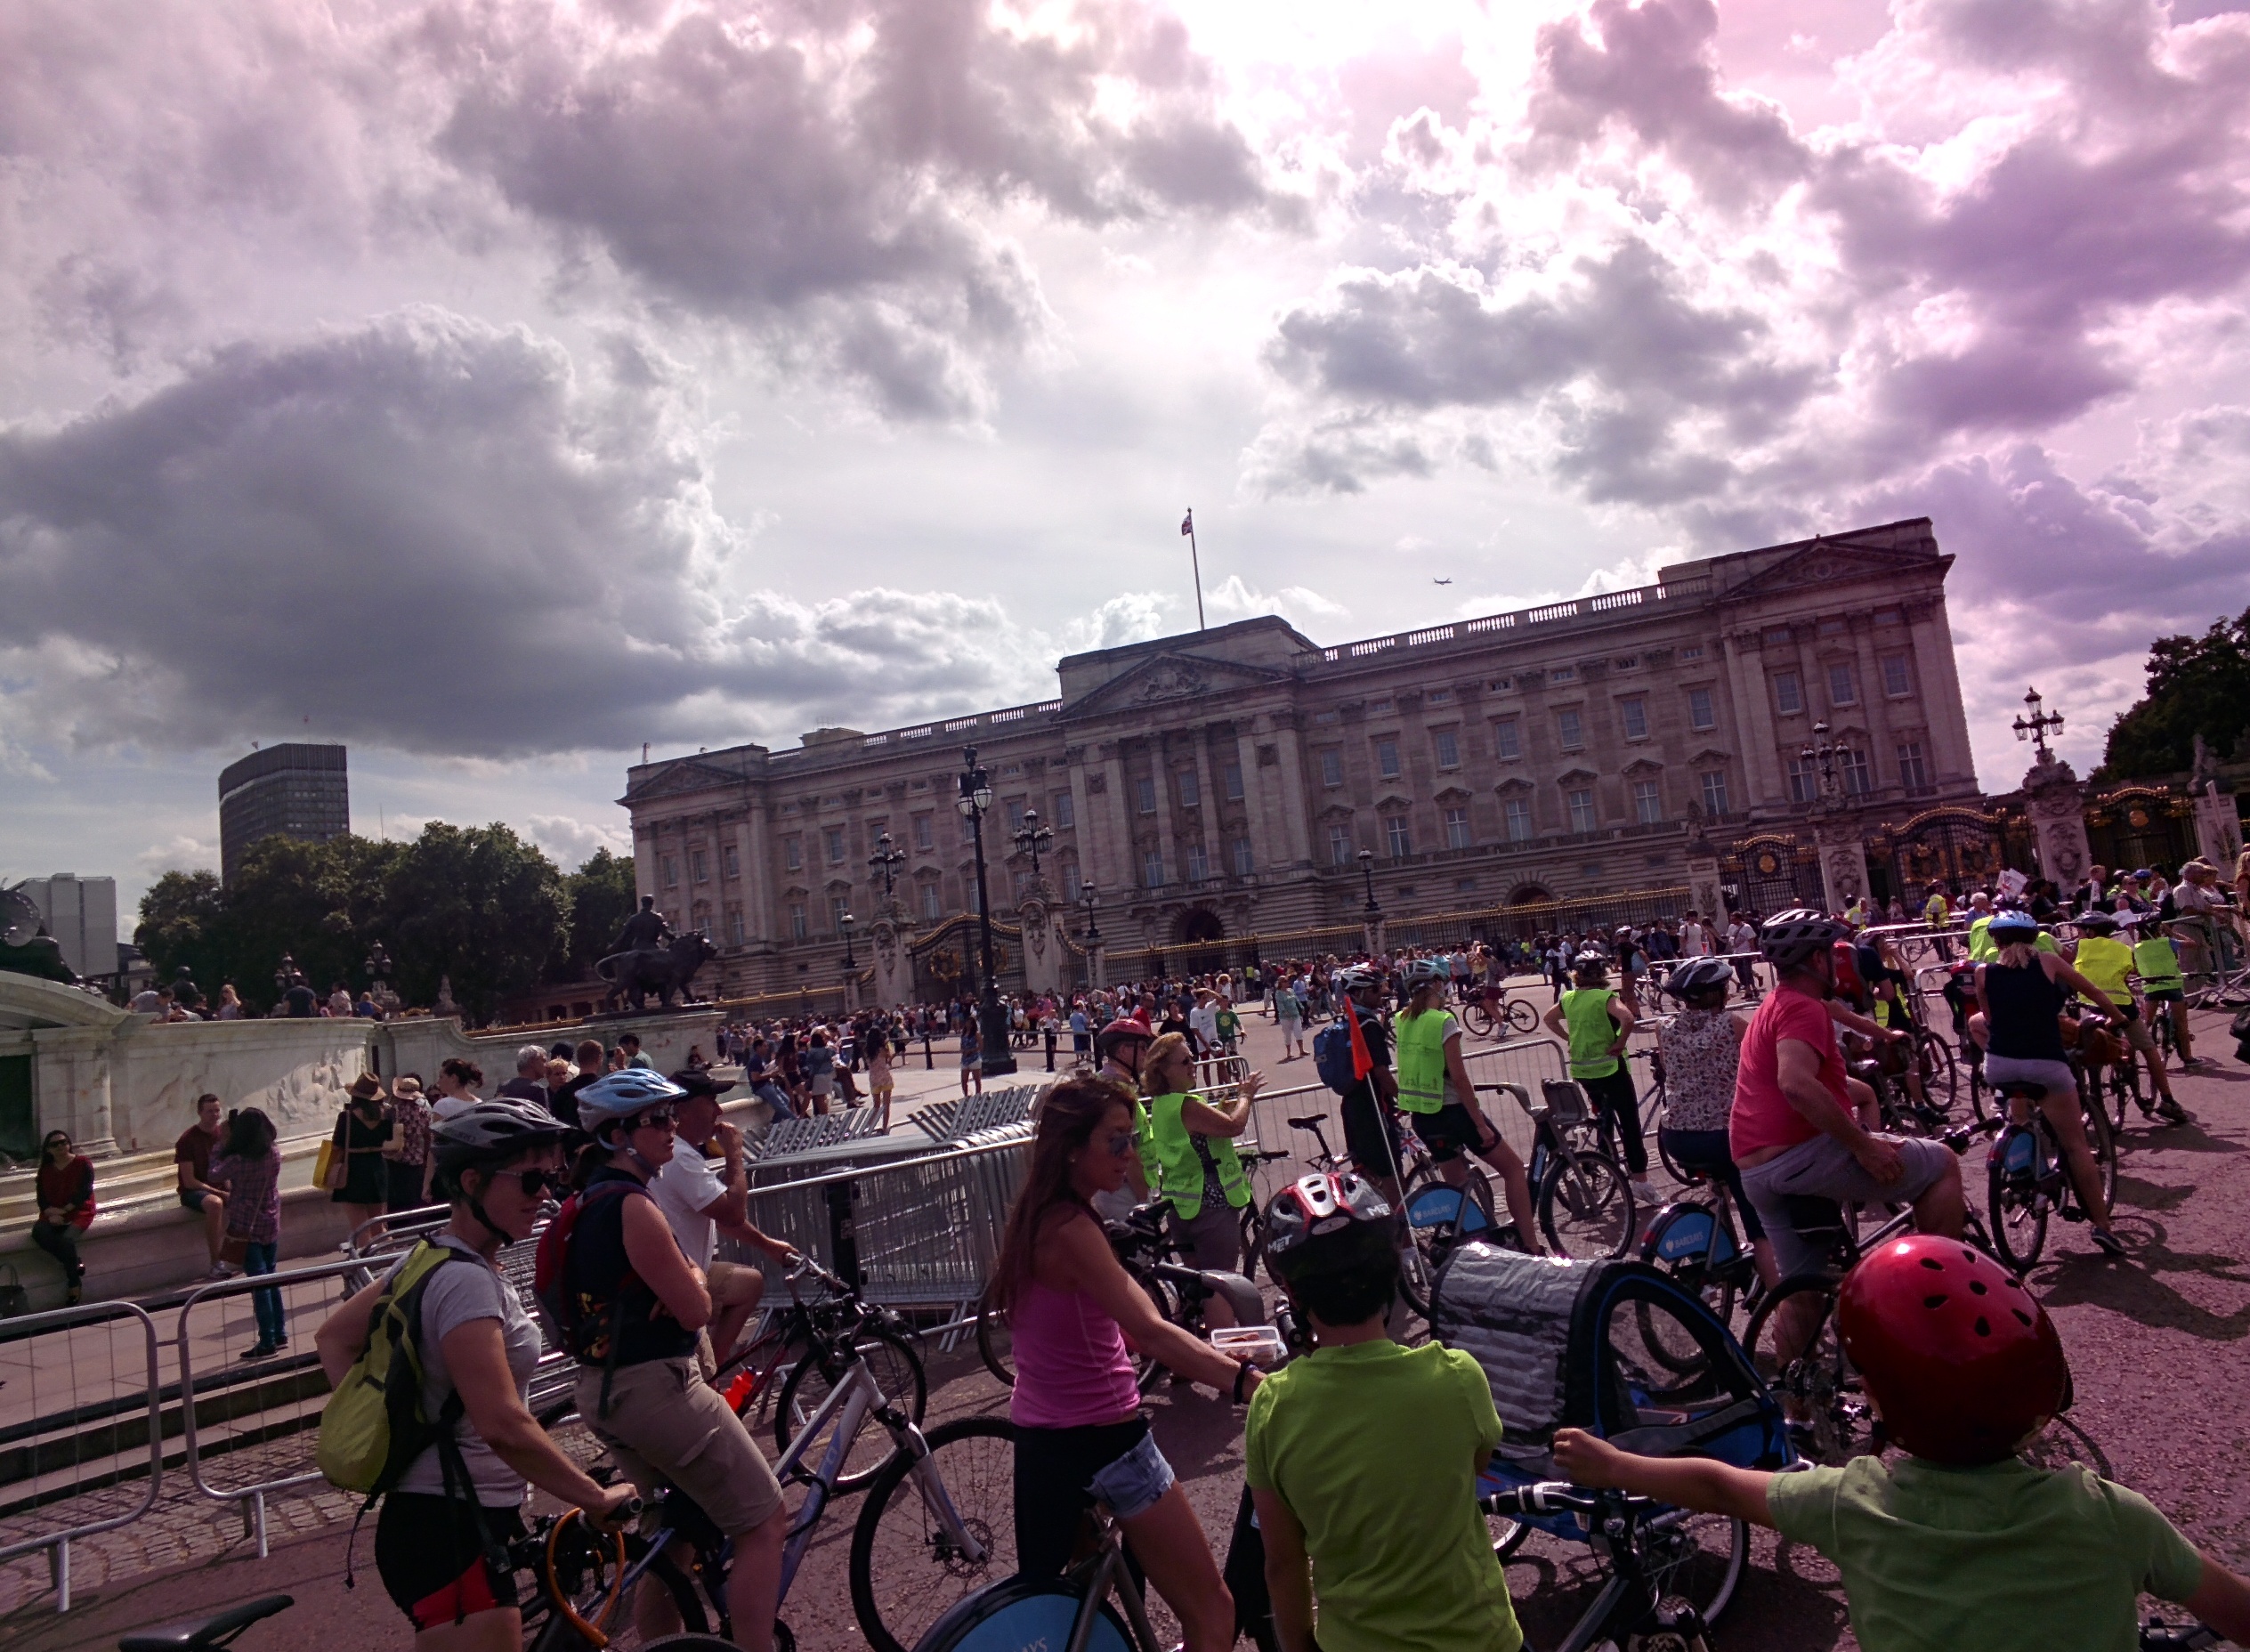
[2038, 725]
[1031, 838]
[886, 862]
[976, 800]
[1822, 753]
[1367, 870]
[1086, 899]
[843, 922]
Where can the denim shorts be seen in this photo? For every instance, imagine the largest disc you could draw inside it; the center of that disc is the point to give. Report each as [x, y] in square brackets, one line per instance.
[1060, 1473]
[1133, 1482]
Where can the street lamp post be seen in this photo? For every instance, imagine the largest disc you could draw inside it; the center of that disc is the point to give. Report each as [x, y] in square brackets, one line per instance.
[378, 966]
[1093, 932]
[1031, 838]
[1822, 753]
[1367, 870]
[2038, 725]
[844, 922]
[886, 862]
[975, 798]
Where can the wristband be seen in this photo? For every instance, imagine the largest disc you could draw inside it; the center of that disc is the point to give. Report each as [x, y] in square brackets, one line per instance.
[1242, 1375]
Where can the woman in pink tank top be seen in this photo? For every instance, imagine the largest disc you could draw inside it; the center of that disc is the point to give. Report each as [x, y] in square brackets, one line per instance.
[1072, 1309]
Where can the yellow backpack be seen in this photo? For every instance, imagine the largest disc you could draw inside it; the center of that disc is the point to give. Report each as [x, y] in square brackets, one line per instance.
[372, 1427]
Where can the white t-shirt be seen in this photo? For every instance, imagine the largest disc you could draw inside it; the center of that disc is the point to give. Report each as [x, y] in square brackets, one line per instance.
[1691, 940]
[446, 1107]
[682, 1190]
[1742, 938]
[457, 1293]
[1203, 1019]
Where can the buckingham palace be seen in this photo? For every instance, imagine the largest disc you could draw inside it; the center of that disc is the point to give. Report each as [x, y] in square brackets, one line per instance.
[1752, 729]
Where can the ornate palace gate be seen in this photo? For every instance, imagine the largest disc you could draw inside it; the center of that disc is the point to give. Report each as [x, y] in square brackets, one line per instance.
[1771, 872]
[1949, 847]
[2136, 826]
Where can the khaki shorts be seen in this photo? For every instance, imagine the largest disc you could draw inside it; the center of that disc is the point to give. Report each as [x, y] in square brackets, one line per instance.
[667, 1426]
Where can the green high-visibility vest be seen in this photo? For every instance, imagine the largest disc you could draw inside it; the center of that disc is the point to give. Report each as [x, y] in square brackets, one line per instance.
[1152, 1172]
[1981, 949]
[2106, 963]
[1180, 1167]
[1592, 1031]
[1421, 1059]
[2157, 964]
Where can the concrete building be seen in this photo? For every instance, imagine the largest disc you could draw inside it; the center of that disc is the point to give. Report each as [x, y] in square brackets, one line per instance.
[292, 790]
[1225, 783]
[81, 913]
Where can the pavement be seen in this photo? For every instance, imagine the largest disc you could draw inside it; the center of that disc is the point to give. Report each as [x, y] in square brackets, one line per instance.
[2156, 1341]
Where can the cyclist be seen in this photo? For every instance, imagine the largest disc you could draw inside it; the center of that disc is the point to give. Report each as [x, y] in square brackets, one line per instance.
[2021, 993]
[1370, 1128]
[1701, 1047]
[639, 1390]
[1363, 1456]
[1199, 1174]
[1072, 1308]
[1802, 1126]
[2105, 962]
[1939, 915]
[1595, 1022]
[2157, 962]
[1959, 1543]
[1434, 1086]
[496, 1161]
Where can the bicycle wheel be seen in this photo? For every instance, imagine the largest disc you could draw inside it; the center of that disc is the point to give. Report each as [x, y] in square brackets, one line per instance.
[1253, 1226]
[1940, 1074]
[1680, 1242]
[2104, 1146]
[908, 1568]
[2014, 1199]
[1438, 1216]
[1820, 1391]
[1522, 1018]
[1585, 1207]
[695, 1642]
[996, 1346]
[898, 1371]
[1027, 1612]
[1476, 1019]
[1696, 1557]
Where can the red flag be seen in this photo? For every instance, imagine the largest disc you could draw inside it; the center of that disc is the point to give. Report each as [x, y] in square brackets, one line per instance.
[1188, 524]
[1363, 1063]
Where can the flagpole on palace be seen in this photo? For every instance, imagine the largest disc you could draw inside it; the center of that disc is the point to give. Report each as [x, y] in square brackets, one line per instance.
[1195, 560]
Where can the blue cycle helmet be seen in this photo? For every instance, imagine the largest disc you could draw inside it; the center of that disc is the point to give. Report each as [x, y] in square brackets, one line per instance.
[2012, 921]
[622, 1094]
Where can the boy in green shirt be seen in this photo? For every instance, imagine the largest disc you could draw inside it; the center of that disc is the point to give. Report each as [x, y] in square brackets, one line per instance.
[1961, 1543]
[1362, 1455]
[1230, 1028]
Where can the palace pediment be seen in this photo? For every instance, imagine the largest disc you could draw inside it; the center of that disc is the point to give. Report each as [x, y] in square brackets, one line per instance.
[1826, 563]
[1167, 678]
[683, 779]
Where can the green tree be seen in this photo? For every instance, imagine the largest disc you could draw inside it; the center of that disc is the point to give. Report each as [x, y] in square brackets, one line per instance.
[2196, 685]
[599, 898]
[319, 904]
[184, 918]
[477, 904]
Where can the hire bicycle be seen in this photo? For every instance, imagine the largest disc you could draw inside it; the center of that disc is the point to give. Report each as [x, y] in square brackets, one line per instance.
[1491, 1013]
[2028, 1177]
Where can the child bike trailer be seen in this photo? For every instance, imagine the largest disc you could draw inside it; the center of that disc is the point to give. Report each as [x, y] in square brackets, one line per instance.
[1618, 1349]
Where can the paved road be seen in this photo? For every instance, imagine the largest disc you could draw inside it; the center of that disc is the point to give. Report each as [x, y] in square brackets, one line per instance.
[2157, 1344]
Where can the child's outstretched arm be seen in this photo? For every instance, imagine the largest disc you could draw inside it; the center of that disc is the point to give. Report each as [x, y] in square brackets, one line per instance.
[1695, 1483]
[2222, 1600]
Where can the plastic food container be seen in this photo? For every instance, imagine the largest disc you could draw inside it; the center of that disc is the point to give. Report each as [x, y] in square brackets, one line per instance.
[1261, 1345]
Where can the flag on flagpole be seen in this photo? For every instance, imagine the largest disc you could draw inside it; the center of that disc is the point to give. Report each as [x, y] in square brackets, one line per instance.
[1188, 524]
[1363, 1063]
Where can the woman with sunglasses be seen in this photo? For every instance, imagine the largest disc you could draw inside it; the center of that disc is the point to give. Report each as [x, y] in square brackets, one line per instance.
[66, 1207]
[639, 1388]
[496, 1161]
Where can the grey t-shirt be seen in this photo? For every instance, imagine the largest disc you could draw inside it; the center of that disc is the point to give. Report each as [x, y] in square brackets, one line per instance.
[457, 1293]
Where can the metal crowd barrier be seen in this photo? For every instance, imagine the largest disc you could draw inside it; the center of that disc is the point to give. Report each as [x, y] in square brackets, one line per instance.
[65, 1369]
[949, 1122]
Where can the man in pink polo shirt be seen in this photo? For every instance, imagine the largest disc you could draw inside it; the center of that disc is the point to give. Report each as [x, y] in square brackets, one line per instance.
[1802, 1125]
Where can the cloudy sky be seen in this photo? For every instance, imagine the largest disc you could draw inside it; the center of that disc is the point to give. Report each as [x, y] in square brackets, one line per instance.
[498, 385]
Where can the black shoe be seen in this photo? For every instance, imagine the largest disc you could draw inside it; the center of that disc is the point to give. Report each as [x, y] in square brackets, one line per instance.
[263, 1351]
[2108, 1242]
[2173, 1111]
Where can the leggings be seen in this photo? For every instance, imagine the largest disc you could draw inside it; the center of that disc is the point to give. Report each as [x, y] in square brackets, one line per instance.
[1620, 1109]
[63, 1244]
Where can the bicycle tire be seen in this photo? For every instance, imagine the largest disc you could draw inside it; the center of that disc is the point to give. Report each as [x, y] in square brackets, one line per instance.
[1714, 1286]
[996, 1346]
[1039, 1612]
[1819, 1390]
[1522, 1018]
[1585, 1207]
[1697, 1558]
[898, 1373]
[696, 1640]
[686, 1599]
[1434, 1241]
[2019, 1212]
[2104, 1146]
[922, 1577]
[1478, 1019]
[1940, 1074]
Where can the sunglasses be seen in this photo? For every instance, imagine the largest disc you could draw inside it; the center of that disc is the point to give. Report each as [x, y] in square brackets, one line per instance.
[656, 1119]
[1119, 1142]
[539, 1184]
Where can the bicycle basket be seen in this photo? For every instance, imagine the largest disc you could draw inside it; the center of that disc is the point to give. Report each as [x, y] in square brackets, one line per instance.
[1566, 1102]
[1617, 1348]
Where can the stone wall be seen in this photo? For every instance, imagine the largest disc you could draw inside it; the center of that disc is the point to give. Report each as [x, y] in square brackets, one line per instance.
[420, 1044]
[296, 1071]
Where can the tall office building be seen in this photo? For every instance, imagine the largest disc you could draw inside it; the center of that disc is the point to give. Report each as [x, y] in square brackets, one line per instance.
[81, 913]
[291, 790]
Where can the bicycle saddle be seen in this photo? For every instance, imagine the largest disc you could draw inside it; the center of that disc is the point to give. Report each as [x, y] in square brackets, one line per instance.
[2023, 1087]
[1311, 1122]
[198, 1634]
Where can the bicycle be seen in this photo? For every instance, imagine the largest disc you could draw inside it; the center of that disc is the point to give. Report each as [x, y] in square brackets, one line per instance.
[1659, 1559]
[1582, 1196]
[1696, 1240]
[823, 1335]
[1491, 1012]
[1817, 1385]
[2026, 1176]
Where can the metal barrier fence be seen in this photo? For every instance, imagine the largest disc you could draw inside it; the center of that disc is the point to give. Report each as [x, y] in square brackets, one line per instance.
[64, 1370]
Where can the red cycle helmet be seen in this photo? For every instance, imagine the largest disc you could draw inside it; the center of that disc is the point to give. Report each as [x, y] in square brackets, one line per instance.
[1960, 1359]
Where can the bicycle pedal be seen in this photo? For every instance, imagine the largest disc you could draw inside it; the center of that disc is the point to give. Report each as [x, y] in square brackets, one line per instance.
[2071, 1213]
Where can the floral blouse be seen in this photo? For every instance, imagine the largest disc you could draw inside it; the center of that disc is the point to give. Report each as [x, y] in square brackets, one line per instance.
[1700, 1056]
[413, 1120]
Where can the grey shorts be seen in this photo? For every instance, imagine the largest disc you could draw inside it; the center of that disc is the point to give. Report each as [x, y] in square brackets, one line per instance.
[2056, 1076]
[1824, 1168]
[1211, 1239]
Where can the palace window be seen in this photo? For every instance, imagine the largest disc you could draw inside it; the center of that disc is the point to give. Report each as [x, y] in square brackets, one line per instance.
[1241, 857]
[1858, 776]
[835, 846]
[1789, 694]
[732, 861]
[1580, 800]
[798, 928]
[1804, 783]
[1457, 835]
[671, 871]
[1518, 813]
[1387, 758]
[1331, 767]
[1395, 837]
[1648, 804]
[1508, 739]
[1231, 778]
[1844, 690]
[1567, 728]
[1144, 794]
[700, 866]
[1898, 681]
[1448, 744]
[923, 838]
[933, 901]
[1714, 782]
[1153, 869]
[1632, 715]
[1198, 863]
[1065, 811]
[1339, 846]
[1914, 772]
[1700, 713]
[1191, 790]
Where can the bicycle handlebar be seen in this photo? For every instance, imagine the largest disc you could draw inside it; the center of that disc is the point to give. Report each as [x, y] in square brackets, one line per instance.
[1561, 1497]
[2157, 1636]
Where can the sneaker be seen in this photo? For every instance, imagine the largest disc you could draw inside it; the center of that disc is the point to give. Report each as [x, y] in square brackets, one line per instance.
[2108, 1242]
[2172, 1110]
[1644, 1192]
[220, 1270]
[263, 1351]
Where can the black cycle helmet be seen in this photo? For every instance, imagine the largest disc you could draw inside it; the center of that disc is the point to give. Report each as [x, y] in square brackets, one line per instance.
[1326, 1222]
[1699, 976]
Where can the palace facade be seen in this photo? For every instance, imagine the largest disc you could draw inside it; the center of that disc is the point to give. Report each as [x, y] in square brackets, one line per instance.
[1227, 782]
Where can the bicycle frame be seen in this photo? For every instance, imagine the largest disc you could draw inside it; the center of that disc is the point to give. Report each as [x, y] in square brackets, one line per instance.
[1106, 1574]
